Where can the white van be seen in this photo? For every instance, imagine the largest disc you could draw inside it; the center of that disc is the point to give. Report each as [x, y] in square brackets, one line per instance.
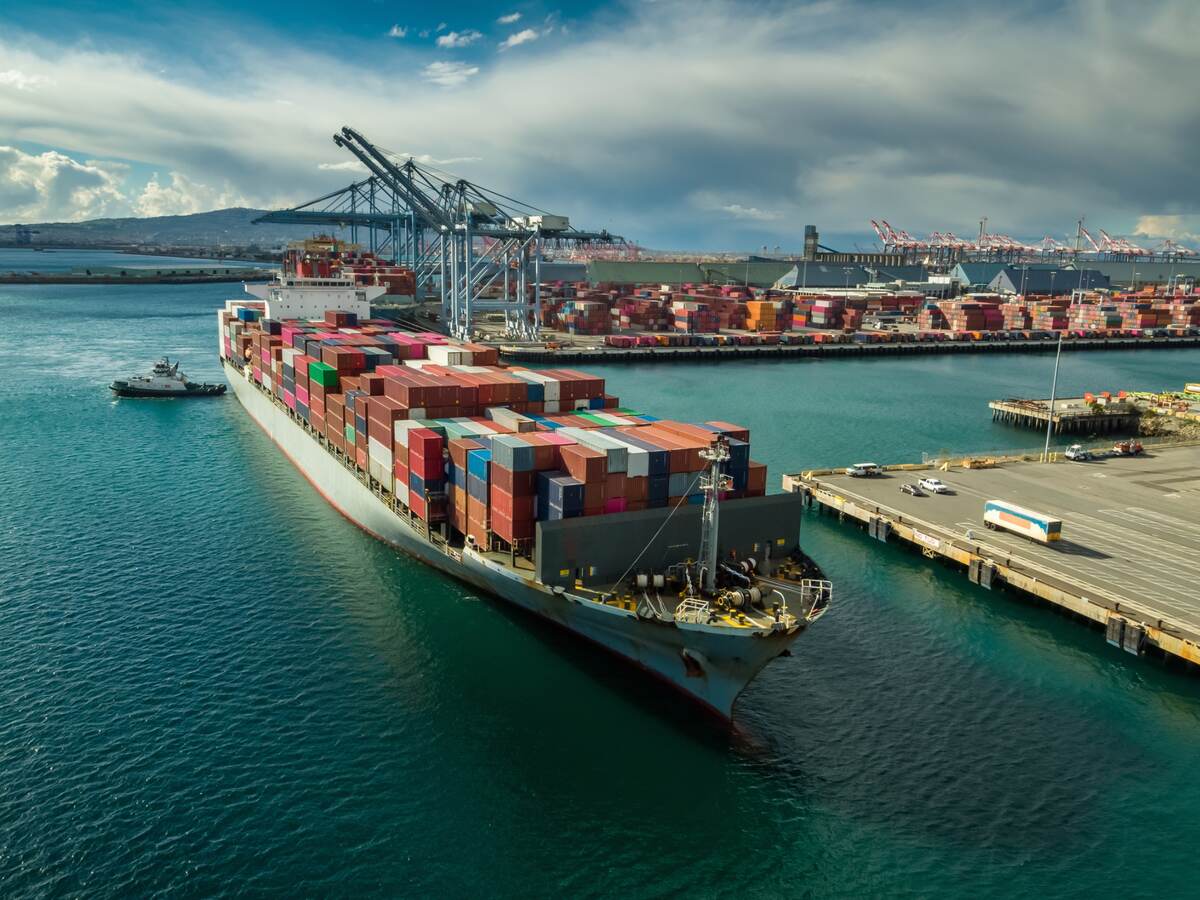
[863, 470]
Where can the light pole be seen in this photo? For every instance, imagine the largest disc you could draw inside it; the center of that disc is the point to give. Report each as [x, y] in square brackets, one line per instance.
[1053, 392]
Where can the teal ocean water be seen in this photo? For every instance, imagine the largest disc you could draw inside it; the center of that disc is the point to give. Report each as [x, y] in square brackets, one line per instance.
[212, 683]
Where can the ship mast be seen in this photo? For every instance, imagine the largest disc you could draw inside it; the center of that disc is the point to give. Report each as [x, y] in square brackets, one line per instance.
[712, 482]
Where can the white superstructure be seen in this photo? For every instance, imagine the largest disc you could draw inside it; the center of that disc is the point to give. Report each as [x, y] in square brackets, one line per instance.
[294, 297]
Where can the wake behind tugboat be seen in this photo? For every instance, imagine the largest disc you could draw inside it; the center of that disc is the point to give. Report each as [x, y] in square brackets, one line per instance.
[164, 381]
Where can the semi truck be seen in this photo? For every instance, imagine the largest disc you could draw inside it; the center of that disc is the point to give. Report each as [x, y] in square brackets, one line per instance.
[1039, 527]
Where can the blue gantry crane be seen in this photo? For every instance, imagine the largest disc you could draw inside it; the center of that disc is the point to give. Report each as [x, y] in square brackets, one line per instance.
[476, 249]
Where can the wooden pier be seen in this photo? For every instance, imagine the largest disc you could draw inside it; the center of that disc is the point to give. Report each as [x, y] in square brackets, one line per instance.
[1129, 560]
[1072, 415]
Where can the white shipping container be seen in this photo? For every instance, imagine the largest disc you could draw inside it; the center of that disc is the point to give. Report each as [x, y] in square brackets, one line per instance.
[447, 355]
[639, 457]
[512, 421]
[379, 453]
[380, 472]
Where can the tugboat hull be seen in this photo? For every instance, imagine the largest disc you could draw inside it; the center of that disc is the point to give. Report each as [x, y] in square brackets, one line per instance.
[206, 390]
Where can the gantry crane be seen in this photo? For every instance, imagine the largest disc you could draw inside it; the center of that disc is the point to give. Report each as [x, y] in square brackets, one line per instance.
[483, 250]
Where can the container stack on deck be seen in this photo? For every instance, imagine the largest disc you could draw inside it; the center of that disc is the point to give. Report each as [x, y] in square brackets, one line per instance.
[464, 444]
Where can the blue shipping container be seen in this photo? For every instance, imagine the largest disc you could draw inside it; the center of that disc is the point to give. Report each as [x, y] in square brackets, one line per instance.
[477, 488]
[477, 463]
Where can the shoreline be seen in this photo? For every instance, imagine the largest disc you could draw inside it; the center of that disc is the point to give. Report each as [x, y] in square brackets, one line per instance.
[776, 352]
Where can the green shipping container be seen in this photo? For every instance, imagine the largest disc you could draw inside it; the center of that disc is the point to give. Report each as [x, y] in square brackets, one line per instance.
[324, 375]
[349, 434]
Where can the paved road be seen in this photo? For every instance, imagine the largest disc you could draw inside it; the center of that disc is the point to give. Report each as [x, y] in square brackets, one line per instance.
[1131, 526]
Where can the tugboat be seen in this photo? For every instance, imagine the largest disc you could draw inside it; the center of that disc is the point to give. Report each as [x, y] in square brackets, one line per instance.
[165, 381]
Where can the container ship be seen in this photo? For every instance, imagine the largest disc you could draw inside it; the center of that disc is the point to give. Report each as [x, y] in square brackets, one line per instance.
[652, 538]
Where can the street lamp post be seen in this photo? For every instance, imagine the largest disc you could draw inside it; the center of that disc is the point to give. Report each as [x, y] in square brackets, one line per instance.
[1053, 392]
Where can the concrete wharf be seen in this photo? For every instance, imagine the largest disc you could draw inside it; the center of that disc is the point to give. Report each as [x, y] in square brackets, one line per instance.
[1129, 560]
[572, 355]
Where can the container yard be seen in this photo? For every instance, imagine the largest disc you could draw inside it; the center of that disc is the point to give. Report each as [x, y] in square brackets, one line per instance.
[1129, 554]
[535, 486]
[644, 321]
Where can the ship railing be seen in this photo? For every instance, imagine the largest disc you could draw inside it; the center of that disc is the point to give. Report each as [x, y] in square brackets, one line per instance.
[693, 612]
[815, 594]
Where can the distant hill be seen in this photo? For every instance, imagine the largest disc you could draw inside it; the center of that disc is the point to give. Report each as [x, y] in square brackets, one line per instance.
[219, 228]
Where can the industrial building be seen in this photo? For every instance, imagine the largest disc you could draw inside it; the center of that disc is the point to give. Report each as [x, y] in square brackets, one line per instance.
[1046, 281]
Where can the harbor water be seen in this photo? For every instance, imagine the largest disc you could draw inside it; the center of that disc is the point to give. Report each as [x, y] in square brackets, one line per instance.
[213, 682]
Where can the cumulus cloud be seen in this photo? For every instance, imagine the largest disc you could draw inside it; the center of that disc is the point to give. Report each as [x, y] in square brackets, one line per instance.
[52, 186]
[510, 19]
[346, 165]
[453, 39]
[22, 81]
[398, 31]
[1175, 228]
[814, 114]
[524, 36]
[449, 74]
[182, 196]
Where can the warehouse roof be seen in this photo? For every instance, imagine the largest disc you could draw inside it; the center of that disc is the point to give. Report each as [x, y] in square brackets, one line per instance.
[759, 274]
[1040, 280]
[976, 273]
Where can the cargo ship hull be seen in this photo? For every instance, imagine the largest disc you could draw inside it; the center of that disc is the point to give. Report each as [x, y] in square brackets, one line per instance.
[709, 667]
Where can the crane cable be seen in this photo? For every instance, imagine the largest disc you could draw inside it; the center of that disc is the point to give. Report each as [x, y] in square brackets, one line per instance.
[674, 509]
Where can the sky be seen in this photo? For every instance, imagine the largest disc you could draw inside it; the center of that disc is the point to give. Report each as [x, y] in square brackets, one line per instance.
[708, 124]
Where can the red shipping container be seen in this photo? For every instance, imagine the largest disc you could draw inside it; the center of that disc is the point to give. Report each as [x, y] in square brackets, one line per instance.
[593, 498]
[614, 486]
[737, 432]
[512, 530]
[515, 483]
[583, 463]
[636, 487]
[459, 448]
[756, 483]
[425, 443]
[517, 508]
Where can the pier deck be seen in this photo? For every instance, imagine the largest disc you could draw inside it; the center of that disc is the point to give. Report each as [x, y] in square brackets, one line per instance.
[1130, 555]
[1071, 414]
